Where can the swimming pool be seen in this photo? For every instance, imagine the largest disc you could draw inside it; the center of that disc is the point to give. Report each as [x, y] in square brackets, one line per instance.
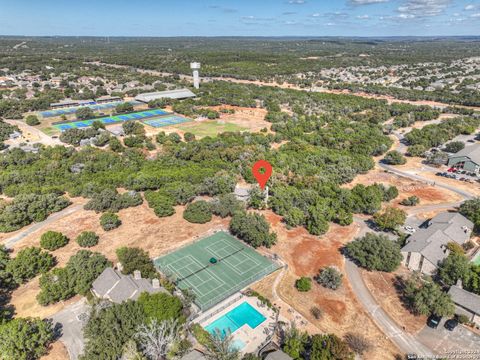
[235, 319]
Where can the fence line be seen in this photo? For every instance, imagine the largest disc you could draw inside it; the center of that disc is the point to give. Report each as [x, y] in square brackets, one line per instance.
[223, 307]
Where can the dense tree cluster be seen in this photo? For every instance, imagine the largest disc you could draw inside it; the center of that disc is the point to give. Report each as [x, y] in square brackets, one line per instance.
[375, 252]
[111, 200]
[75, 278]
[136, 259]
[252, 228]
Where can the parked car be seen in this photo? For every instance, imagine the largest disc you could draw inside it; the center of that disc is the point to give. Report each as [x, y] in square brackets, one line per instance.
[451, 324]
[409, 229]
[471, 141]
[439, 174]
[433, 321]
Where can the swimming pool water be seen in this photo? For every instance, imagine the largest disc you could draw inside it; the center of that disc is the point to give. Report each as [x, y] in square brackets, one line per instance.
[236, 318]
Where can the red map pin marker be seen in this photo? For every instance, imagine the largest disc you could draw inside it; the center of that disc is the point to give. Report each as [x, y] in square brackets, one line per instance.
[262, 170]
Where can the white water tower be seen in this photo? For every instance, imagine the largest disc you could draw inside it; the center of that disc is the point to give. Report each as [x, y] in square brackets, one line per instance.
[195, 66]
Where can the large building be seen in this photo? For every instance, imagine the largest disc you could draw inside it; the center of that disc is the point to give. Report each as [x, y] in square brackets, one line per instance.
[467, 159]
[169, 94]
[426, 248]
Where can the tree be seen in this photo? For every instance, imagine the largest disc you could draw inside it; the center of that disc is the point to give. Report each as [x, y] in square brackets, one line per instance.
[294, 342]
[161, 203]
[471, 210]
[53, 240]
[84, 113]
[394, 158]
[390, 218]
[28, 263]
[227, 205]
[221, 347]
[358, 343]
[25, 339]
[198, 212]
[124, 107]
[161, 306]
[136, 259]
[454, 146]
[133, 128]
[87, 239]
[427, 298]
[330, 278]
[32, 120]
[303, 284]
[97, 124]
[157, 338]
[188, 136]
[454, 267]
[410, 201]
[253, 229]
[109, 329]
[329, 346]
[375, 252]
[110, 221]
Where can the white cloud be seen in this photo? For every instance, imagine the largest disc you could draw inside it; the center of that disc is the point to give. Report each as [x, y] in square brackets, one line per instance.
[476, 15]
[367, 2]
[470, 7]
[422, 8]
[297, 2]
[363, 17]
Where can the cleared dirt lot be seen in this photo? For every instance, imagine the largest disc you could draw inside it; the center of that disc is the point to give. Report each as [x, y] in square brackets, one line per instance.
[428, 194]
[383, 287]
[57, 352]
[140, 227]
[305, 254]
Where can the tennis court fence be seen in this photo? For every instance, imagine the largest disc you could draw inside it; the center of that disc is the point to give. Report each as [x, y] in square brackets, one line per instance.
[221, 308]
[242, 284]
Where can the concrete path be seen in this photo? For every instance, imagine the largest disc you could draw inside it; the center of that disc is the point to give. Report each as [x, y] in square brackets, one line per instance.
[11, 241]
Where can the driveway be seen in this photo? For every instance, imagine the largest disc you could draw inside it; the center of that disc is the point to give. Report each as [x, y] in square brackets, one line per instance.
[71, 321]
[451, 343]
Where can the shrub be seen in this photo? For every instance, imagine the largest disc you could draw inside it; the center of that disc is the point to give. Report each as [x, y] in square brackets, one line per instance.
[454, 146]
[32, 120]
[410, 201]
[199, 212]
[330, 278]
[227, 205]
[357, 343]
[53, 240]
[161, 203]
[110, 221]
[188, 136]
[375, 252]
[316, 312]
[87, 239]
[463, 319]
[394, 158]
[303, 284]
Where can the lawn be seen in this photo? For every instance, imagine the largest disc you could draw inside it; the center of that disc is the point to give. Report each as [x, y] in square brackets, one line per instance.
[209, 128]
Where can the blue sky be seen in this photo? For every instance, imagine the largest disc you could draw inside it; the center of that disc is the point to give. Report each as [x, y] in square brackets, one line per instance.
[240, 18]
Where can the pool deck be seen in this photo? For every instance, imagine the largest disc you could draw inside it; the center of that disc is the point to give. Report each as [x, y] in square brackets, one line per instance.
[252, 338]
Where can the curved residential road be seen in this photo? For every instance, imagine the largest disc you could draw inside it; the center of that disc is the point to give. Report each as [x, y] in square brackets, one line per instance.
[407, 343]
[11, 241]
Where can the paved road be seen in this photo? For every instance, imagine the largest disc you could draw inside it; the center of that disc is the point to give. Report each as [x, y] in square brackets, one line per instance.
[11, 241]
[71, 326]
[405, 342]
[393, 170]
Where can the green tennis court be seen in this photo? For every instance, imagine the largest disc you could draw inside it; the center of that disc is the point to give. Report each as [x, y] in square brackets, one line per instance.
[215, 267]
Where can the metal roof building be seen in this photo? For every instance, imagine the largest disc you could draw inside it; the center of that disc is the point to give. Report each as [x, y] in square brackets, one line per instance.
[169, 94]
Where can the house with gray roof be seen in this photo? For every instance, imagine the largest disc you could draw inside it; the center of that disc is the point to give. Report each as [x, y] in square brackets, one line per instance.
[112, 285]
[426, 248]
[467, 159]
[466, 303]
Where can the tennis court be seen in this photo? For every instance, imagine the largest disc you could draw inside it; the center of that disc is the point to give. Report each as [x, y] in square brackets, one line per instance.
[107, 120]
[215, 267]
[166, 121]
[72, 110]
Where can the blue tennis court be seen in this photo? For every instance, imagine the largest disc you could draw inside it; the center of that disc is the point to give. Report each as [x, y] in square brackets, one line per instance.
[166, 121]
[72, 110]
[116, 119]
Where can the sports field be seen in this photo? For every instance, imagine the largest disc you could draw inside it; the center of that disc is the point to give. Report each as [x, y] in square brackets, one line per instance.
[215, 267]
[166, 121]
[107, 120]
[210, 128]
[73, 109]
